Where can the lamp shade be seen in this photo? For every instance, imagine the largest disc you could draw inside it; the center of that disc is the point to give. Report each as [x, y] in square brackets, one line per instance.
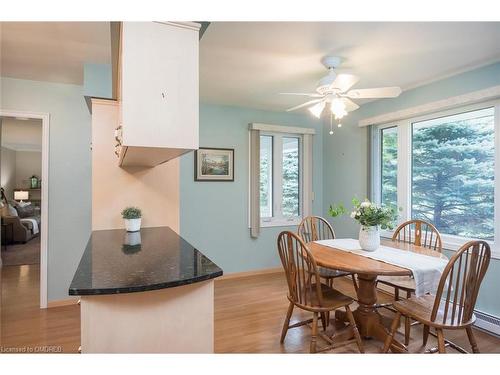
[20, 195]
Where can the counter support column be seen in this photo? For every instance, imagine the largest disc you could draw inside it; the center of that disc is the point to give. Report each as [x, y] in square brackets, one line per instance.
[173, 320]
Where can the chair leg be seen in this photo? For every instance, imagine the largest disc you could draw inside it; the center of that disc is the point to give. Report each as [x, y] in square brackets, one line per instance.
[441, 343]
[323, 320]
[472, 340]
[407, 330]
[314, 333]
[354, 327]
[396, 294]
[408, 294]
[394, 327]
[425, 335]
[287, 322]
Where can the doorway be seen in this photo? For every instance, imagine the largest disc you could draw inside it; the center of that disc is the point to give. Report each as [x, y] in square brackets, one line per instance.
[24, 201]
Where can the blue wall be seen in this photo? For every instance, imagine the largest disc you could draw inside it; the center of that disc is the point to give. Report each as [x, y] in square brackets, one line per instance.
[214, 215]
[69, 171]
[346, 156]
[97, 80]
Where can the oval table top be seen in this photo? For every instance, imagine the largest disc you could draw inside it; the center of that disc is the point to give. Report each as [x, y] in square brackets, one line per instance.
[330, 257]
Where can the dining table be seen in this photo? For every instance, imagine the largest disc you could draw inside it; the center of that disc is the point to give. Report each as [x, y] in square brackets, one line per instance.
[370, 323]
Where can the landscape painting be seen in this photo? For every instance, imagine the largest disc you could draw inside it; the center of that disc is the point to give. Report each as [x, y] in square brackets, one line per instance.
[214, 164]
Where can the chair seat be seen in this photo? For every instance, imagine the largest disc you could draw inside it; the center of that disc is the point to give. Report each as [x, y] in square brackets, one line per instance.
[420, 308]
[402, 282]
[332, 298]
[329, 273]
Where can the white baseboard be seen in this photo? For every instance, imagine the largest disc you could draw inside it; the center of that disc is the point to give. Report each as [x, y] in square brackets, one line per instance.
[239, 275]
[487, 322]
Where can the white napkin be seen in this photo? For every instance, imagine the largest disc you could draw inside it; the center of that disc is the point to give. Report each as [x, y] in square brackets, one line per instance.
[426, 269]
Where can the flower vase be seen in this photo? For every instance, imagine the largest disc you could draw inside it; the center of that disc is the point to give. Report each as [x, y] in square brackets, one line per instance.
[369, 238]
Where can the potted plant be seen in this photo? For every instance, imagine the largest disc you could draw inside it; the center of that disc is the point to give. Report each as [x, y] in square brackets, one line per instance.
[372, 218]
[132, 217]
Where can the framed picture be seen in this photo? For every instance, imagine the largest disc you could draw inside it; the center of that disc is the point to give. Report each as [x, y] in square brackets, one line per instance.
[214, 164]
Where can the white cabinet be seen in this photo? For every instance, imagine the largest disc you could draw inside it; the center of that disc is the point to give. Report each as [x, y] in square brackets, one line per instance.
[159, 93]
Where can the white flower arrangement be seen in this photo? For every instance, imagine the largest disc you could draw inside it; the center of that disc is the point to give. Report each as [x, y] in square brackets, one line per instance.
[368, 214]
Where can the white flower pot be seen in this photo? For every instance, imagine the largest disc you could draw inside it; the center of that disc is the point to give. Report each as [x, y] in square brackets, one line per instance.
[132, 225]
[369, 238]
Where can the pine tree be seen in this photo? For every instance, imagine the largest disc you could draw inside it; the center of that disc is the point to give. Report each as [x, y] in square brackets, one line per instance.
[453, 182]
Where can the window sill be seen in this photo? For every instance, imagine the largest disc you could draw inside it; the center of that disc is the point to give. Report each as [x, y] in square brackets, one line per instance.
[453, 243]
[281, 223]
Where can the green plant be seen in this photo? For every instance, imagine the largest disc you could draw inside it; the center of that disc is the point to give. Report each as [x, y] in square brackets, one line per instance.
[131, 213]
[337, 210]
[368, 214]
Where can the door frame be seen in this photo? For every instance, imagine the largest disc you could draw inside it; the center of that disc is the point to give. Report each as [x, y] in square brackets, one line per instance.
[44, 230]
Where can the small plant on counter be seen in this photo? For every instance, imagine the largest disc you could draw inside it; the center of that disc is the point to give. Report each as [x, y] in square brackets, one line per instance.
[132, 217]
[131, 213]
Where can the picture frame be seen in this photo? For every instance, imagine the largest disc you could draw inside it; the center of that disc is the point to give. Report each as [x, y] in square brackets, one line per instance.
[214, 164]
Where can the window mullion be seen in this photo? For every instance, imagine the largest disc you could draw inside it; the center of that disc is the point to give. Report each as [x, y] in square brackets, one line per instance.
[404, 169]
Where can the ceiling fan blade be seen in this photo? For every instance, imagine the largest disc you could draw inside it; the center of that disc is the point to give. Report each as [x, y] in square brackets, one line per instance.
[312, 94]
[350, 105]
[344, 82]
[380, 92]
[305, 104]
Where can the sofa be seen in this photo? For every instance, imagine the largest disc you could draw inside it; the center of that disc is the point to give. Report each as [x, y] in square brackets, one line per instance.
[25, 223]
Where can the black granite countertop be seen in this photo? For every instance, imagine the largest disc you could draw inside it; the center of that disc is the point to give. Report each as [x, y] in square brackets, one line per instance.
[154, 258]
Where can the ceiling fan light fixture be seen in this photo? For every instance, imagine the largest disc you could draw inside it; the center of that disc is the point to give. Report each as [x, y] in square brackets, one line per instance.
[338, 108]
[317, 109]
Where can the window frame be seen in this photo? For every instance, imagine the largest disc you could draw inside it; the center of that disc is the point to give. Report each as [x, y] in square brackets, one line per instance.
[278, 220]
[404, 173]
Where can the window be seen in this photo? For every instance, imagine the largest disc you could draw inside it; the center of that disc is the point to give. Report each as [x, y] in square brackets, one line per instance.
[453, 170]
[389, 171]
[266, 176]
[280, 164]
[441, 168]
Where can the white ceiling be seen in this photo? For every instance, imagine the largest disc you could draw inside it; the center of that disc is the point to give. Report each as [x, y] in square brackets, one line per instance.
[21, 135]
[249, 63]
[52, 51]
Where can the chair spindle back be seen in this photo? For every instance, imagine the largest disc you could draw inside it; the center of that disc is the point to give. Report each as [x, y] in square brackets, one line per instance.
[459, 284]
[419, 233]
[300, 268]
[315, 228]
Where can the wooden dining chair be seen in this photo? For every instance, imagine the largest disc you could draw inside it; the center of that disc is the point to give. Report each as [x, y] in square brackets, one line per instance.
[315, 297]
[418, 233]
[316, 228]
[453, 305]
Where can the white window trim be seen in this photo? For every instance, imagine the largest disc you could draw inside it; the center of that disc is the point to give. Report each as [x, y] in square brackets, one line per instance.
[282, 221]
[450, 242]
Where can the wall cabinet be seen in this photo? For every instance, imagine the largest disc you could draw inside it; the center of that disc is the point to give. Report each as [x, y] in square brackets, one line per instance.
[158, 92]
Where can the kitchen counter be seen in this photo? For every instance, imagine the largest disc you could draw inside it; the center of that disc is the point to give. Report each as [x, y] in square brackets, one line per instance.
[154, 258]
[145, 292]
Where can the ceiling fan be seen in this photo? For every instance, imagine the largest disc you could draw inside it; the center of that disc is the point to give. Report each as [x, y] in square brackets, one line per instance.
[333, 90]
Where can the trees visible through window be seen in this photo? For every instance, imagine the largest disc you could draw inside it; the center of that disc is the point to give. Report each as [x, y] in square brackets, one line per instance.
[266, 176]
[280, 177]
[452, 184]
[389, 170]
[290, 196]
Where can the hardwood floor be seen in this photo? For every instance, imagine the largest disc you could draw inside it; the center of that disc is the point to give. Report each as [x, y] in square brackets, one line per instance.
[249, 313]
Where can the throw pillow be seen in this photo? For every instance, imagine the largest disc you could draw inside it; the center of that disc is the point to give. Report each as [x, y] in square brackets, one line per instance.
[26, 211]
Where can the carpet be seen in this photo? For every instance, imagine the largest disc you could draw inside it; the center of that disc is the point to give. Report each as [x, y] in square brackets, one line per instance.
[19, 254]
